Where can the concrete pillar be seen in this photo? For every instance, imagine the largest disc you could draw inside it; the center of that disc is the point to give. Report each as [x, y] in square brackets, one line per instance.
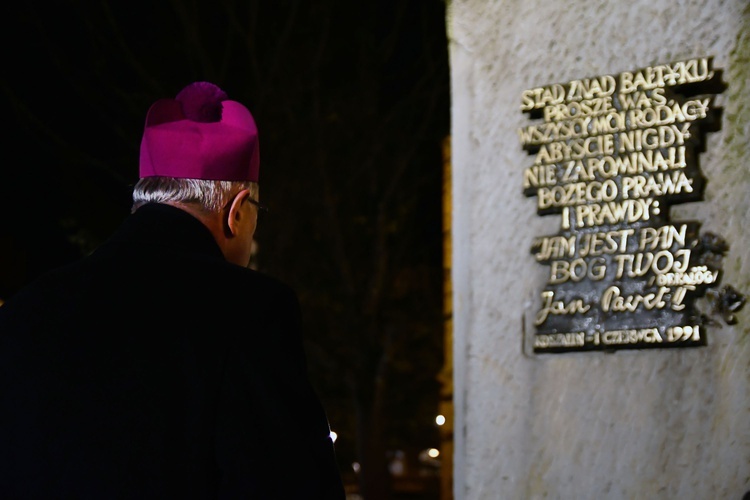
[633, 423]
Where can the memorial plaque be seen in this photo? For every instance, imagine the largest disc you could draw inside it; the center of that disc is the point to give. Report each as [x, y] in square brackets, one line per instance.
[611, 155]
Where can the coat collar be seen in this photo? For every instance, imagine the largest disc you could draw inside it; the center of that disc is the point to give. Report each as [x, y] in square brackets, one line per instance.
[167, 226]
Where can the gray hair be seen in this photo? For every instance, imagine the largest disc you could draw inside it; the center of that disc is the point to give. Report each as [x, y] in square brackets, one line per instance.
[212, 196]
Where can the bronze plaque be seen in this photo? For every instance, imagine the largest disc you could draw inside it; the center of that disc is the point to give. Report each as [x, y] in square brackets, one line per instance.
[611, 155]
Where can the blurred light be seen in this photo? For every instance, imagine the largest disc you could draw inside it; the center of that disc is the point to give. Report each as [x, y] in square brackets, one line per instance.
[430, 457]
[397, 466]
[355, 466]
[333, 436]
[440, 420]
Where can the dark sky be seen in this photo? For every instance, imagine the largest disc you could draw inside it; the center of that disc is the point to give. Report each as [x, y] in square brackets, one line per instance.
[323, 78]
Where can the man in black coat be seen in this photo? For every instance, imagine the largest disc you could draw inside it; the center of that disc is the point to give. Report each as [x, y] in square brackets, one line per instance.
[161, 366]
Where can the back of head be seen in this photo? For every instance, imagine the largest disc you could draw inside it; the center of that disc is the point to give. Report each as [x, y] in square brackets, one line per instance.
[197, 148]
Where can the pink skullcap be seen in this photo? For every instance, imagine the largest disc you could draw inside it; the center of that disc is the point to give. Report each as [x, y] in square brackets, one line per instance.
[200, 134]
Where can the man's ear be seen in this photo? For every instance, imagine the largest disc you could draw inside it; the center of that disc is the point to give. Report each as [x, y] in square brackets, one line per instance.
[234, 214]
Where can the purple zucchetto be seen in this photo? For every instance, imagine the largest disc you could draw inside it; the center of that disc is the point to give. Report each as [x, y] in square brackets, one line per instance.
[200, 134]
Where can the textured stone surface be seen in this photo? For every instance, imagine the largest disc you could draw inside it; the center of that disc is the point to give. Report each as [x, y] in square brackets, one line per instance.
[630, 425]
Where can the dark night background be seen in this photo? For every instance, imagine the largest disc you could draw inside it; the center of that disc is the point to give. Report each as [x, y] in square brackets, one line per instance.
[352, 104]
